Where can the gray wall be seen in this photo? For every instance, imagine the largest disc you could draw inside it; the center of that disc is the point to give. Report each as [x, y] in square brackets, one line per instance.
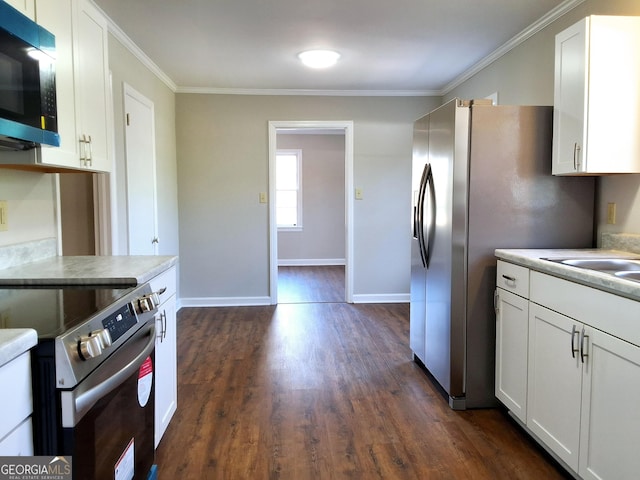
[126, 68]
[525, 76]
[322, 239]
[222, 143]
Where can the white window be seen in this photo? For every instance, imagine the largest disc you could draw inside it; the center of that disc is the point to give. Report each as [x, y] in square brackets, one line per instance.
[289, 189]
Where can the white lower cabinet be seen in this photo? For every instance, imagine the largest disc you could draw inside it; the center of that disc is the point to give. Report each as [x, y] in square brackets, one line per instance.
[582, 375]
[512, 318]
[16, 405]
[555, 382]
[512, 337]
[166, 389]
[609, 444]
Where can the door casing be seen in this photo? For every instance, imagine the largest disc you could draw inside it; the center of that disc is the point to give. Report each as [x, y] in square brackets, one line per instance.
[347, 127]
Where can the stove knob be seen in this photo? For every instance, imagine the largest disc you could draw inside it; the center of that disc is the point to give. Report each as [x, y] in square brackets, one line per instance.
[89, 347]
[104, 336]
[143, 304]
[147, 303]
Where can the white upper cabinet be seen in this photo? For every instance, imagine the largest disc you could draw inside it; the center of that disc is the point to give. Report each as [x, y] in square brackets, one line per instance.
[26, 7]
[596, 128]
[82, 85]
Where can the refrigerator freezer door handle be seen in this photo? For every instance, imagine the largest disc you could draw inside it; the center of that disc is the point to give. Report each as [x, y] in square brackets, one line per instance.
[419, 214]
[432, 224]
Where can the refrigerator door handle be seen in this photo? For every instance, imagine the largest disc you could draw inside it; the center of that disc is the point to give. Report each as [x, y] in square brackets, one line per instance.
[431, 231]
[419, 214]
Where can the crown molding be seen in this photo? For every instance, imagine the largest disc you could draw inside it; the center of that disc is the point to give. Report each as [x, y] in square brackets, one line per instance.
[527, 33]
[130, 45]
[309, 92]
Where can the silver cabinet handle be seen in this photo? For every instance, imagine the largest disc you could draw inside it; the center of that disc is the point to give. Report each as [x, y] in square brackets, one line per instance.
[496, 302]
[83, 150]
[576, 156]
[583, 345]
[574, 350]
[90, 155]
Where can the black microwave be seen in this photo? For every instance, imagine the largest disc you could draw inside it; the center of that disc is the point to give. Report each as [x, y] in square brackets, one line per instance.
[28, 112]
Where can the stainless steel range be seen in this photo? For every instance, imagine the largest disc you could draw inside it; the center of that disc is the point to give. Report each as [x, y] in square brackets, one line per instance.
[93, 374]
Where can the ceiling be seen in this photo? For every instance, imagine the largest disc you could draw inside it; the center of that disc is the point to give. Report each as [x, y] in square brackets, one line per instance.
[399, 47]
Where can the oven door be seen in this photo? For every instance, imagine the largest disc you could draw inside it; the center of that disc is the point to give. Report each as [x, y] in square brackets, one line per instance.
[108, 418]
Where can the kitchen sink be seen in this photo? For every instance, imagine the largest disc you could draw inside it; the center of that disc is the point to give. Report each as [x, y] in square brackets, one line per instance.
[603, 264]
[629, 275]
[627, 268]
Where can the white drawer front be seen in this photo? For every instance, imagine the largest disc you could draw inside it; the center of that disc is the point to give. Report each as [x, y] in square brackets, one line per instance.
[15, 377]
[166, 279]
[513, 278]
[615, 315]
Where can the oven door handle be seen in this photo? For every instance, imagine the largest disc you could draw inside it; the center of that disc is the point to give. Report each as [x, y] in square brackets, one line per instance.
[77, 402]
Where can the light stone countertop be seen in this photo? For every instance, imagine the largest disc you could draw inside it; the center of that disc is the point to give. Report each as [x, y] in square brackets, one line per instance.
[535, 260]
[14, 342]
[125, 270]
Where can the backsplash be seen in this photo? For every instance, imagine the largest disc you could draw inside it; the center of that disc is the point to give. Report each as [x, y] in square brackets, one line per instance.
[627, 242]
[20, 253]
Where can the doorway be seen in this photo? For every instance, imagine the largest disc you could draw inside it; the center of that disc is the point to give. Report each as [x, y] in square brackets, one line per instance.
[308, 278]
[140, 159]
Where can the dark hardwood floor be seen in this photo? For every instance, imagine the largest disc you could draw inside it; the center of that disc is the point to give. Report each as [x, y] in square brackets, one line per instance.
[324, 391]
[300, 284]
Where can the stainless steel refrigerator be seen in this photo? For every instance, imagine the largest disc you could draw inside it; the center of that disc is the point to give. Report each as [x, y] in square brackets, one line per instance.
[481, 180]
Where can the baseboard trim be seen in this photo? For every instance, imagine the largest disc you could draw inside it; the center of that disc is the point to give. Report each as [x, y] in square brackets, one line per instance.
[224, 302]
[261, 301]
[382, 298]
[310, 262]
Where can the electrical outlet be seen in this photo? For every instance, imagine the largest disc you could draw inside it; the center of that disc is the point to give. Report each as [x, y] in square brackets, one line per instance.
[611, 213]
[4, 219]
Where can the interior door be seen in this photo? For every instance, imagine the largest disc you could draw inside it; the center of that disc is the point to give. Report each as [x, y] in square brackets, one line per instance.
[141, 173]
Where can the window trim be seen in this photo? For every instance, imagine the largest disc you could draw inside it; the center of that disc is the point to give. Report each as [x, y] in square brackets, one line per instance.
[299, 225]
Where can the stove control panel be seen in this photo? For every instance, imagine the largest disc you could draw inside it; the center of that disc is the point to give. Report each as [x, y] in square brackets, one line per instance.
[119, 322]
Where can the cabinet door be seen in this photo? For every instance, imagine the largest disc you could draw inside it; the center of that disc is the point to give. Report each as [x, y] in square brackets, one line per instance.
[23, 6]
[166, 368]
[92, 83]
[569, 113]
[609, 447]
[56, 16]
[554, 382]
[512, 334]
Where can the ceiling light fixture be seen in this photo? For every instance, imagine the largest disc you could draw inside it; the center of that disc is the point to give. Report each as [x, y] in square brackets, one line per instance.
[319, 58]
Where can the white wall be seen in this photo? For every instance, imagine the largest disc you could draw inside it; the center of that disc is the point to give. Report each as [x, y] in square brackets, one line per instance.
[322, 237]
[525, 76]
[222, 143]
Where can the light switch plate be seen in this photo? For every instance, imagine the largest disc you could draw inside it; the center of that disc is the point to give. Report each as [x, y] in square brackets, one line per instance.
[4, 219]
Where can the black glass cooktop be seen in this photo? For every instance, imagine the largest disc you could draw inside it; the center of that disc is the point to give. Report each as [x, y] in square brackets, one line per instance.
[52, 311]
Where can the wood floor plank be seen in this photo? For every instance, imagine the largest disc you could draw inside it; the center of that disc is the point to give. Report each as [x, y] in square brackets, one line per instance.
[311, 284]
[325, 391]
